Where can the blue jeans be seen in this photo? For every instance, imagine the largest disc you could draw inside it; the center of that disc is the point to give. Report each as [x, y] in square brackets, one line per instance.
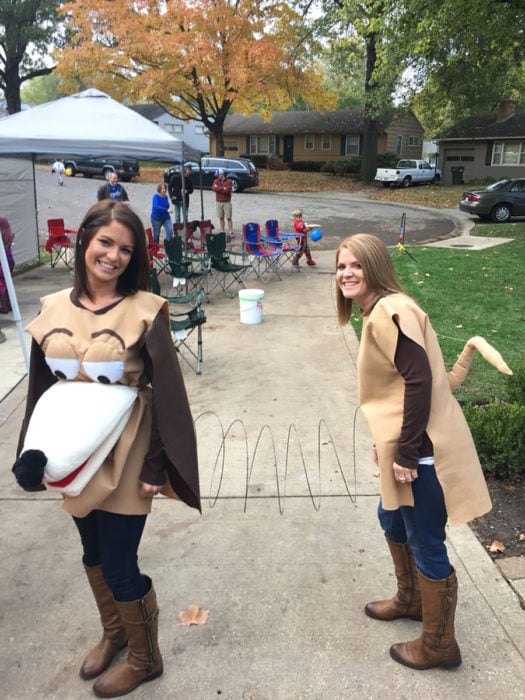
[156, 227]
[112, 540]
[421, 525]
[178, 211]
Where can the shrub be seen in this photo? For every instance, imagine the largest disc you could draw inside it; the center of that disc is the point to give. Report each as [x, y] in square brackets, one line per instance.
[387, 160]
[498, 430]
[349, 166]
[305, 166]
[516, 386]
[258, 161]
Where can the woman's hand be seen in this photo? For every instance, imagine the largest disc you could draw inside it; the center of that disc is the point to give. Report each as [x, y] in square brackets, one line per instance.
[403, 474]
[148, 490]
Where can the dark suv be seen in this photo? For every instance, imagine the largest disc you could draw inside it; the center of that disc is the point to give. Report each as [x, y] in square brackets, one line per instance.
[126, 168]
[240, 171]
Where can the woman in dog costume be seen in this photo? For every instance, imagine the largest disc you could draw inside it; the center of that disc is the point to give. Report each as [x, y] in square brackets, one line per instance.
[103, 360]
[429, 469]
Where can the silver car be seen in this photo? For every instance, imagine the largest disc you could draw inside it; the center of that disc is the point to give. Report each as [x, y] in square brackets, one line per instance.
[499, 201]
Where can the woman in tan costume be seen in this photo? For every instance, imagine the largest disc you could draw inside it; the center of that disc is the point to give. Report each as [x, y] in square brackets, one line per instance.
[108, 330]
[429, 469]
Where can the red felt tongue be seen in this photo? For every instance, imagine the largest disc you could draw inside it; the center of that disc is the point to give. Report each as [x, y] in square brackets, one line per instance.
[70, 477]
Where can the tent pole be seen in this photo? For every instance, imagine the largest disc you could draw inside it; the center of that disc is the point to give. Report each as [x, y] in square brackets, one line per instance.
[183, 204]
[36, 208]
[14, 302]
[202, 191]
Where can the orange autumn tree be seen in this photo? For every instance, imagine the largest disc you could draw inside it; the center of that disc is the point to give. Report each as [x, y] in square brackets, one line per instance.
[199, 59]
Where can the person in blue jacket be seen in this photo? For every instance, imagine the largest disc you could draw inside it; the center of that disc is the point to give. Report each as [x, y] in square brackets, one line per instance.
[161, 214]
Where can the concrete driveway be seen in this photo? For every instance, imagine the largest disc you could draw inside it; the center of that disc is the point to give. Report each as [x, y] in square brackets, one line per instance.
[339, 214]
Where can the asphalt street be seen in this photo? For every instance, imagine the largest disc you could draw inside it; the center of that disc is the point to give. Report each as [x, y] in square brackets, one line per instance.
[339, 214]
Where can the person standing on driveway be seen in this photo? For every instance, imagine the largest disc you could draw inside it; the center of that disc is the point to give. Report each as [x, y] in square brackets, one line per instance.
[112, 190]
[222, 186]
[7, 242]
[302, 229]
[58, 167]
[160, 214]
[429, 468]
[109, 332]
[179, 195]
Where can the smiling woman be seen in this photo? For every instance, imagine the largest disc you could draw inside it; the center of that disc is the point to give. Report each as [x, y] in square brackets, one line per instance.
[420, 436]
[107, 341]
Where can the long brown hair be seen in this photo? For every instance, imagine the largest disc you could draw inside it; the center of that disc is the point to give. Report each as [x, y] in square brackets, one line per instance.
[136, 274]
[378, 270]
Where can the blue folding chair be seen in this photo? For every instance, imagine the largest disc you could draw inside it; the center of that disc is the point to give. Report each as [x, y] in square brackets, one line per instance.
[265, 261]
[281, 242]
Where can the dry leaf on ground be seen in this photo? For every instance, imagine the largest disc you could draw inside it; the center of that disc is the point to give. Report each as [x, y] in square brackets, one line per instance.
[497, 546]
[193, 615]
[521, 538]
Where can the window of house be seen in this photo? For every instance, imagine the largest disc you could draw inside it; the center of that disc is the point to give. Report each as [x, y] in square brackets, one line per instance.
[262, 145]
[309, 142]
[326, 142]
[399, 144]
[175, 128]
[200, 129]
[414, 141]
[352, 145]
[508, 153]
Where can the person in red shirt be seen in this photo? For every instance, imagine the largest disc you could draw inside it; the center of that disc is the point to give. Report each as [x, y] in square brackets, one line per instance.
[302, 228]
[222, 187]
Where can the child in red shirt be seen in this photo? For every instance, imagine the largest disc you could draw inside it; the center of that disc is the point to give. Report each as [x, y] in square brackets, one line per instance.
[301, 227]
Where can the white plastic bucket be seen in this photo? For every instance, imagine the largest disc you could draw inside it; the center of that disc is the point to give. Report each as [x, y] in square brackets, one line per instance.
[251, 304]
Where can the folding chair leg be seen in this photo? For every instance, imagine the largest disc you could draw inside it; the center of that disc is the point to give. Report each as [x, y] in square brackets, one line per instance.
[198, 356]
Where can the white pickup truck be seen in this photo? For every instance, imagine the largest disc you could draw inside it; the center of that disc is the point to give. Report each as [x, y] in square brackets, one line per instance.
[408, 172]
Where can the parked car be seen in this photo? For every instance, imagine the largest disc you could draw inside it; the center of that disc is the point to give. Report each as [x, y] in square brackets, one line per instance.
[499, 201]
[240, 171]
[126, 168]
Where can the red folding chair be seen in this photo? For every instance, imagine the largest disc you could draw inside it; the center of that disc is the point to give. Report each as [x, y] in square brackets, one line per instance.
[60, 243]
[156, 254]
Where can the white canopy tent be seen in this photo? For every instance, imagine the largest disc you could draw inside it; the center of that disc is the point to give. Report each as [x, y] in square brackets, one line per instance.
[89, 123]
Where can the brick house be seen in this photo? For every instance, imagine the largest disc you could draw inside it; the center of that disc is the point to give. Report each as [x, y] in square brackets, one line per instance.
[486, 145]
[318, 136]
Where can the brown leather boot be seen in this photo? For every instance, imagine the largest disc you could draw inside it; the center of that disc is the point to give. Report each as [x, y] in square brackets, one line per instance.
[437, 646]
[144, 662]
[407, 600]
[114, 637]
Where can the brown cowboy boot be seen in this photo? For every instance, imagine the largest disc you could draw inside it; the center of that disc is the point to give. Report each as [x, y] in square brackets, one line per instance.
[114, 637]
[407, 600]
[437, 646]
[144, 662]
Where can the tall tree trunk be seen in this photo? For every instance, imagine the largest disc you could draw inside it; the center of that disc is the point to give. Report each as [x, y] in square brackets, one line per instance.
[369, 155]
[369, 160]
[12, 88]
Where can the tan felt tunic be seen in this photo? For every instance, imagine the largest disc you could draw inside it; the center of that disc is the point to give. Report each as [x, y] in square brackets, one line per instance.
[381, 392]
[122, 333]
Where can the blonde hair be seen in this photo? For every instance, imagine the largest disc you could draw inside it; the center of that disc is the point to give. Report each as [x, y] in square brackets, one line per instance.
[297, 213]
[378, 270]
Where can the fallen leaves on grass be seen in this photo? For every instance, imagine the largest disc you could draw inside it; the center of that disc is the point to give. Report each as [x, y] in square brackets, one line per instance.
[193, 615]
[497, 546]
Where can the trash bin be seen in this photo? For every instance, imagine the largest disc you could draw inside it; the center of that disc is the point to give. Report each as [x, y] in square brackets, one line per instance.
[457, 174]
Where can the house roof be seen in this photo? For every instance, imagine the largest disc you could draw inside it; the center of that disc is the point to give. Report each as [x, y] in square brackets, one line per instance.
[341, 121]
[486, 125]
[148, 110]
